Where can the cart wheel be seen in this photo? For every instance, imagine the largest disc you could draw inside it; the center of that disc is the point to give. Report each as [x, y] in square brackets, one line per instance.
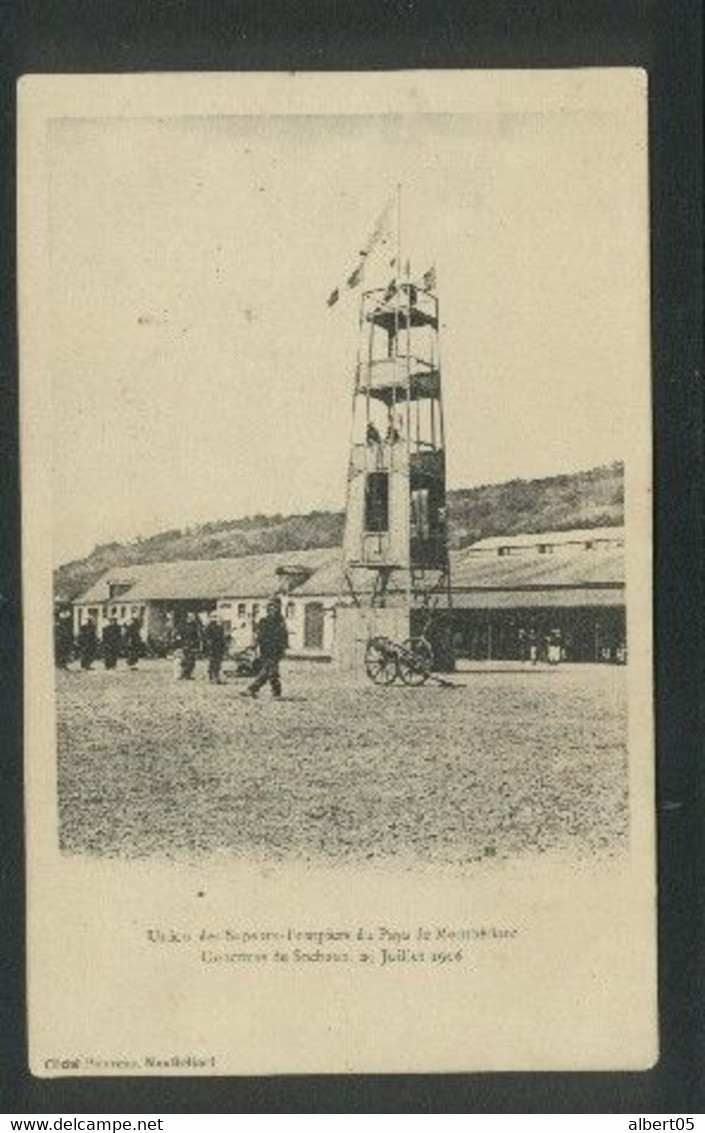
[380, 661]
[415, 661]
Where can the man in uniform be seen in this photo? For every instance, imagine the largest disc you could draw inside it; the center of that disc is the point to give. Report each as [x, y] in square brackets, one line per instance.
[189, 640]
[112, 639]
[272, 643]
[214, 646]
[133, 642]
[87, 643]
[63, 640]
[553, 647]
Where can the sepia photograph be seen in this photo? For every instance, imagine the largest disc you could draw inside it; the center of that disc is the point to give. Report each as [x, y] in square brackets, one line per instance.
[336, 480]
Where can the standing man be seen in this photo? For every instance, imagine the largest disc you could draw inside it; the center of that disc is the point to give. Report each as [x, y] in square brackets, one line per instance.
[133, 641]
[63, 640]
[214, 646]
[272, 643]
[87, 643]
[190, 644]
[112, 639]
[553, 647]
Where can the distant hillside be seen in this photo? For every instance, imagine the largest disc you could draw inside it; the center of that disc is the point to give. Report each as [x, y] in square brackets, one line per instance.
[580, 499]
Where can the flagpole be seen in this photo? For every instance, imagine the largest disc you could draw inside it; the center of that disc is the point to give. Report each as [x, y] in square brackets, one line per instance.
[441, 421]
[409, 304]
[398, 227]
[393, 407]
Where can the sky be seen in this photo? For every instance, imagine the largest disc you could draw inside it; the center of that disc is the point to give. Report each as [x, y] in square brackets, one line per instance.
[196, 370]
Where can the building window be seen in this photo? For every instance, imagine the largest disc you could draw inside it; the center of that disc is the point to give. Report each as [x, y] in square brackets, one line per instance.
[503, 550]
[377, 502]
[290, 610]
[241, 609]
[115, 589]
[255, 612]
[590, 546]
[225, 605]
[545, 548]
[123, 611]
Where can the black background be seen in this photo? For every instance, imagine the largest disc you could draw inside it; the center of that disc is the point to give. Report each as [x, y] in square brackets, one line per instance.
[666, 38]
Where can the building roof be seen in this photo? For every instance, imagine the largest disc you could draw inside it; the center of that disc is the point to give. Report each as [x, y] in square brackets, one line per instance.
[579, 535]
[249, 576]
[256, 576]
[574, 566]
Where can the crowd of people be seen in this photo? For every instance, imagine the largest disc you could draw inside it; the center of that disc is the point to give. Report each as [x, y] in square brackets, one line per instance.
[187, 643]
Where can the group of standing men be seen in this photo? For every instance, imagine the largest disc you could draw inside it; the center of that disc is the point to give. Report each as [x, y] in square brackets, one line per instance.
[189, 641]
[271, 643]
[117, 641]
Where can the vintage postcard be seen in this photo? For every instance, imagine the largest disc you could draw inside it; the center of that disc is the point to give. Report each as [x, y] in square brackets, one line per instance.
[336, 459]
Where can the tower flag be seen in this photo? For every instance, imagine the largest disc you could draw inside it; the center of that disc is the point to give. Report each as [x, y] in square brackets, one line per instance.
[380, 236]
[428, 280]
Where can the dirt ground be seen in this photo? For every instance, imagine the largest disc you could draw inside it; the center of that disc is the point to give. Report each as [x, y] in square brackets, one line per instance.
[512, 762]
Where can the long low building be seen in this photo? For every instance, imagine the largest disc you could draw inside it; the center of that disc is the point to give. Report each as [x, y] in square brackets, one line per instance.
[506, 592]
[162, 594]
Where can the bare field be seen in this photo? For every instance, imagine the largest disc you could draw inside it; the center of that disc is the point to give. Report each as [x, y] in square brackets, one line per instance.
[512, 762]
